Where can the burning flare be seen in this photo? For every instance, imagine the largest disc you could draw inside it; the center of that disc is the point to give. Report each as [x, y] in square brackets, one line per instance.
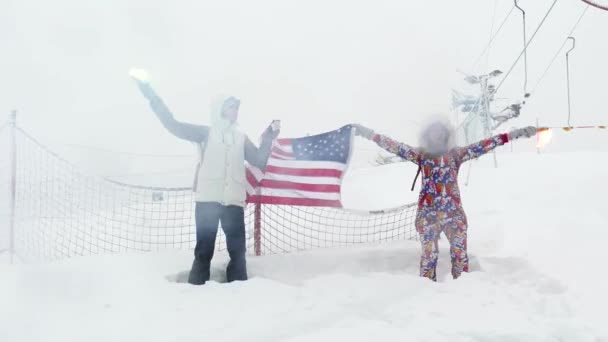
[543, 137]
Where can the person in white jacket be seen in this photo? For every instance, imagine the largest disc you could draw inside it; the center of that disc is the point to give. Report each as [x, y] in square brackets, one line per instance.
[220, 182]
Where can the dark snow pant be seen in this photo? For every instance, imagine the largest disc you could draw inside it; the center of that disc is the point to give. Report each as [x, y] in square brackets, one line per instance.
[208, 215]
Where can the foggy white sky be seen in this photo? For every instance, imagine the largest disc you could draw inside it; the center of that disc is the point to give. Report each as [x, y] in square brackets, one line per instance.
[316, 65]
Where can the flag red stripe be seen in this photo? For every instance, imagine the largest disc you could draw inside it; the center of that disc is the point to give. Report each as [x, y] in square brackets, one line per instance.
[251, 178]
[281, 153]
[284, 141]
[274, 184]
[310, 202]
[304, 172]
[295, 182]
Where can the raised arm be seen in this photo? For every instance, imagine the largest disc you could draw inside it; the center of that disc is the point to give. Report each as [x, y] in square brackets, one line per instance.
[258, 157]
[404, 151]
[186, 131]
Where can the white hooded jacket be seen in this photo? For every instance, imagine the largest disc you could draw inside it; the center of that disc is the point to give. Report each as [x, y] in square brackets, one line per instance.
[220, 175]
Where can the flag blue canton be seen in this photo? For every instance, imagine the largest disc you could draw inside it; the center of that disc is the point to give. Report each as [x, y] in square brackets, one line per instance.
[331, 146]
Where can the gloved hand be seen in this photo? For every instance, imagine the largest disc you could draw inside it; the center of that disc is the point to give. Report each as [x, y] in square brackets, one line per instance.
[276, 125]
[525, 132]
[273, 130]
[363, 131]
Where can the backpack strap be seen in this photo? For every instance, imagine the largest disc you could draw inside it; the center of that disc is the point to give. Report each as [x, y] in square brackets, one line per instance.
[417, 173]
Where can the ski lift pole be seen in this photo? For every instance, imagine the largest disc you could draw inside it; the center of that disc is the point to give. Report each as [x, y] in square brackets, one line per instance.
[568, 75]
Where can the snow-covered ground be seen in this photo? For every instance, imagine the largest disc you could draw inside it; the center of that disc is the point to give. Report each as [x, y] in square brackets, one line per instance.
[538, 228]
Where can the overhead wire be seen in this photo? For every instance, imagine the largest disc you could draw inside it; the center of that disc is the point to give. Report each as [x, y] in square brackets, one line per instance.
[578, 21]
[491, 34]
[523, 13]
[526, 46]
[485, 49]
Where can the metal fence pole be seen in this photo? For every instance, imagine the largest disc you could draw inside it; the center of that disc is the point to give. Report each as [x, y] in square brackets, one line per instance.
[257, 228]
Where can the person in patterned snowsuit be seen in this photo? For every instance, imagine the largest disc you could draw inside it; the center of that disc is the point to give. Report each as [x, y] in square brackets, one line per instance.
[439, 205]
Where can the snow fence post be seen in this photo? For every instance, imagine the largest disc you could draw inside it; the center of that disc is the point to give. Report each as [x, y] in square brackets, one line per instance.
[257, 227]
[13, 183]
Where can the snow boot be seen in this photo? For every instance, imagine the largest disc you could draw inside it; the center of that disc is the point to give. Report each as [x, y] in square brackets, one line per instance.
[200, 273]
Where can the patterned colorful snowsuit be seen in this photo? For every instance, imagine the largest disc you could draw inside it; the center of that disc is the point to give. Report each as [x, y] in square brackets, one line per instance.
[439, 204]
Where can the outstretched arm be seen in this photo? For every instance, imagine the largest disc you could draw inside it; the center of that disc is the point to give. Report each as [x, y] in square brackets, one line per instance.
[404, 151]
[258, 157]
[186, 131]
[482, 147]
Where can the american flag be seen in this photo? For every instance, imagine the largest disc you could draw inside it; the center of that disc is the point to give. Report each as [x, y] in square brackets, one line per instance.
[304, 171]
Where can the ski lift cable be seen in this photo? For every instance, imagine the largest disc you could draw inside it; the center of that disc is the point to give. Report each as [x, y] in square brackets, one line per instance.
[523, 13]
[485, 49]
[560, 49]
[491, 34]
[526, 46]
